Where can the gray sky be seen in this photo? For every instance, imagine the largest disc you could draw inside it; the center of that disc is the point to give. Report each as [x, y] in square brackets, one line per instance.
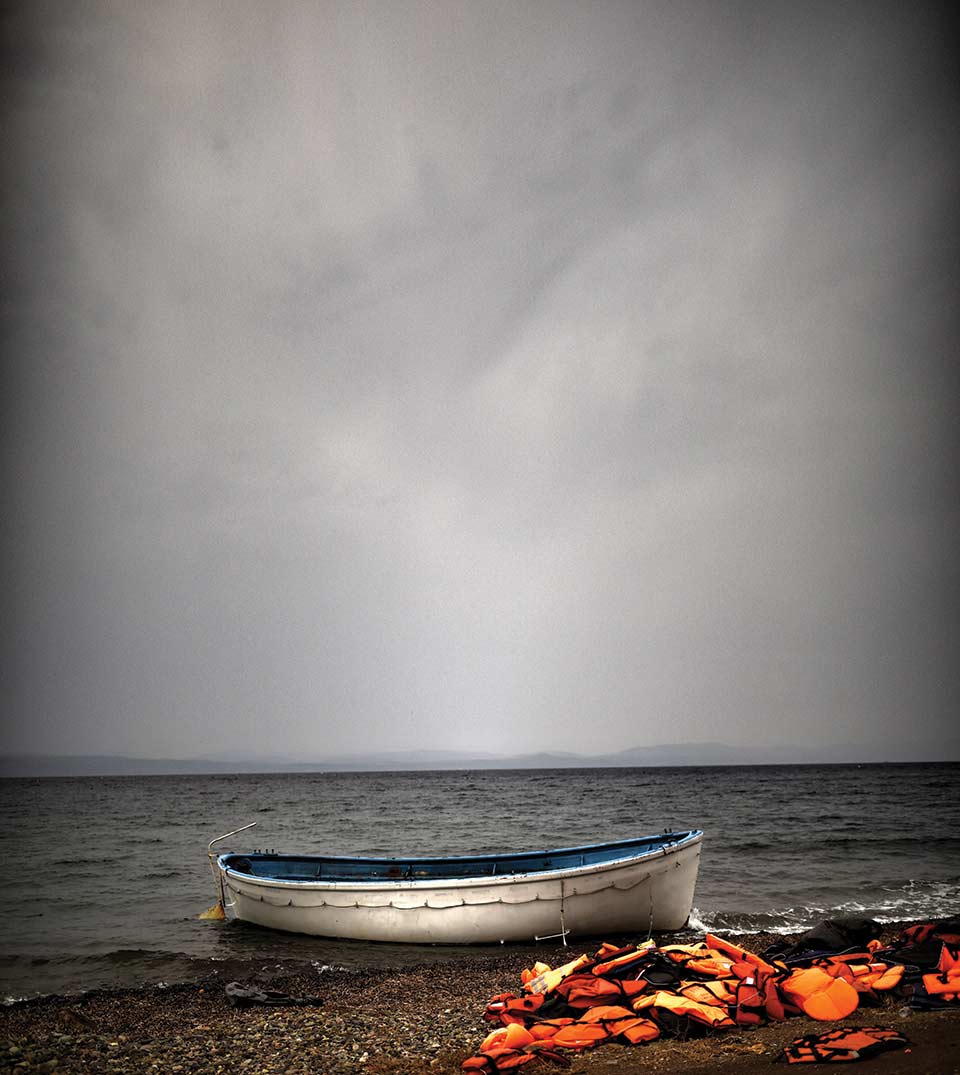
[495, 376]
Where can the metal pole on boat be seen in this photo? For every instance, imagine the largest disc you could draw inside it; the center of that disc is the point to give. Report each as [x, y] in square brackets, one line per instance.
[563, 929]
[216, 912]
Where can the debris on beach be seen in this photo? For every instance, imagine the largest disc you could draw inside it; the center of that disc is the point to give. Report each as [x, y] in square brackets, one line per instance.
[75, 1020]
[638, 993]
[247, 996]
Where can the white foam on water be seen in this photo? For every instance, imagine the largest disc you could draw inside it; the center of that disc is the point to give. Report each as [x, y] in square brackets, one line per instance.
[695, 922]
[914, 900]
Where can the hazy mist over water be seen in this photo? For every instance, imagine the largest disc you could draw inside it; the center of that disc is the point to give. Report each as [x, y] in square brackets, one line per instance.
[498, 376]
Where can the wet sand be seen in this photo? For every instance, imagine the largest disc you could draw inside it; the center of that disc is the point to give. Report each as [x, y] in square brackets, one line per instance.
[410, 1022]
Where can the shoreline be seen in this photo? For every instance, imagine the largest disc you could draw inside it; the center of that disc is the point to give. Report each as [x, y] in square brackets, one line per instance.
[411, 1021]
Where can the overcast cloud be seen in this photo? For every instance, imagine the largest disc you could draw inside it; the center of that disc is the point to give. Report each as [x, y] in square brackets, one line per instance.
[495, 376]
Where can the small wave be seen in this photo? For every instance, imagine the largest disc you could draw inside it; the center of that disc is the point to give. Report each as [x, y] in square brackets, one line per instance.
[918, 899]
[121, 956]
[696, 922]
[914, 900]
[856, 837]
[790, 920]
[134, 968]
[108, 860]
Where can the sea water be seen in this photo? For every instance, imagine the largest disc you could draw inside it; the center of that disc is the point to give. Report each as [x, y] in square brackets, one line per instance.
[103, 877]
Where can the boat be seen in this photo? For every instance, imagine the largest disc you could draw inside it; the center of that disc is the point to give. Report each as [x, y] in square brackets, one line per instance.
[625, 886]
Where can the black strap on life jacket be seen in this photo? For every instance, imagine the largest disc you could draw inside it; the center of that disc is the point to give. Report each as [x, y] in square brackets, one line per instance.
[662, 973]
[676, 1026]
[842, 1045]
[920, 1000]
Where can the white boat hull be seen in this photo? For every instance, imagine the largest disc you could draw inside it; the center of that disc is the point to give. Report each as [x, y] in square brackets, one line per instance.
[649, 892]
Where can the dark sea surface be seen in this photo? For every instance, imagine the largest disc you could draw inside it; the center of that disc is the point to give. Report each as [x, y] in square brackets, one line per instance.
[104, 876]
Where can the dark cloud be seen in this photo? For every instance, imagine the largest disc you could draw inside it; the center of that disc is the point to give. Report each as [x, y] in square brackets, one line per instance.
[479, 376]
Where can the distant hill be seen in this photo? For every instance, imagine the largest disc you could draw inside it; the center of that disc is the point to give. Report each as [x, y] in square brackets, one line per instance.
[669, 754]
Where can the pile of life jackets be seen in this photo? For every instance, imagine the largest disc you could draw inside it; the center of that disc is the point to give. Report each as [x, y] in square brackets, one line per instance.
[638, 993]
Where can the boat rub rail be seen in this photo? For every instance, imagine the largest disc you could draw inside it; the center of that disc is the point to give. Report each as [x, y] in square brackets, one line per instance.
[267, 867]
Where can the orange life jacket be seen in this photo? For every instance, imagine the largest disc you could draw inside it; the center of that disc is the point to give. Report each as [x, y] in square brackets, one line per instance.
[943, 930]
[716, 966]
[496, 1005]
[757, 999]
[620, 1021]
[738, 954]
[680, 953]
[842, 1044]
[509, 1008]
[548, 980]
[699, 958]
[625, 957]
[606, 950]
[708, 1014]
[528, 973]
[918, 934]
[945, 981]
[513, 1036]
[949, 958]
[818, 994]
[598, 1025]
[864, 975]
[479, 1063]
[884, 976]
[584, 991]
[716, 992]
[497, 1060]
[580, 1035]
[544, 1031]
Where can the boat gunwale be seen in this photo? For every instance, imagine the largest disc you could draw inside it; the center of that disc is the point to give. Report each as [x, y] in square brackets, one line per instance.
[688, 838]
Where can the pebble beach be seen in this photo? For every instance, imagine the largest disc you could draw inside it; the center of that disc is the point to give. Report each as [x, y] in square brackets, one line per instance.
[412, 1021]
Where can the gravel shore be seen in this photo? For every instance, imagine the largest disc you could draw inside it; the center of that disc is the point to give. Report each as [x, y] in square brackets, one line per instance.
[418, 1021]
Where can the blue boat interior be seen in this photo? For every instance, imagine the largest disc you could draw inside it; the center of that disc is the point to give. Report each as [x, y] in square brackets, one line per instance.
[278, 867]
